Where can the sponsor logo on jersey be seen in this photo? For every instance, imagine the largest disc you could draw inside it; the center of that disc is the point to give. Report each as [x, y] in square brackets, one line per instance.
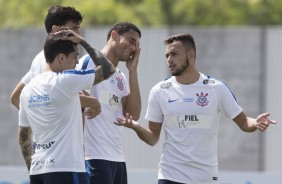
[202, 99]
[181, 100]
[119, 83]
[208, 81]
[113, 100]
[49, 163]
[43, 146]
[166, 85]
[187, 121]
[170, 101]
[38, 100]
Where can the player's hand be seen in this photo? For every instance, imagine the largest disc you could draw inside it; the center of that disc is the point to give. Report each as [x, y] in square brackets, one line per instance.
[127, 122]
[132, 63]
[263, 122]
[68, 35]
[93, 111]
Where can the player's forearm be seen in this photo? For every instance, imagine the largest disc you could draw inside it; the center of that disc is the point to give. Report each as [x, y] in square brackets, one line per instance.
[25, 142]
[250, 125]
[146, 135]
[99, 59]
[15, 95]
[133, 102]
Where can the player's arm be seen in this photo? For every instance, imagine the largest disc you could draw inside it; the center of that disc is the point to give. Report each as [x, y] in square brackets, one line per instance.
[132, 102]
[104, 67]
[25, 141]
[249, 124]
[151, 135]
[91, 105]
[15, 95]
[100, 60]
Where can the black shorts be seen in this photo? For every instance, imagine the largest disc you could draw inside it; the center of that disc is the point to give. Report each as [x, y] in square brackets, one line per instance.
[106, 172]
[59, 178]
[162, 181]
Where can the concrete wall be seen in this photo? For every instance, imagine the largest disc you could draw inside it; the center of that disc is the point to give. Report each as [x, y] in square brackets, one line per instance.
[238, 56]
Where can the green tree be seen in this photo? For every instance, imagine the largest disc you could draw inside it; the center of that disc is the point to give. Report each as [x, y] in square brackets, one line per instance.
[26, 13]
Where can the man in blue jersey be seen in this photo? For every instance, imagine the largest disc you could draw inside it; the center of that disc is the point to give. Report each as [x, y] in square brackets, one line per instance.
[50, 111]
[188, 107]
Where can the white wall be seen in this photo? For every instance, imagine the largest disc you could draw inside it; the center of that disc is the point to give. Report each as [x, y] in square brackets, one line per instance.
[273, 98]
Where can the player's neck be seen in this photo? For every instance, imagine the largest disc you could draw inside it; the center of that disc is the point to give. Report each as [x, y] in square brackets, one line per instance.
[110, 54]
[188, 77]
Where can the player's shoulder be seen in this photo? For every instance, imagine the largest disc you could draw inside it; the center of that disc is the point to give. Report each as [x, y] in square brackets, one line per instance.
[210, 80]
[40, 57]
[164, 84]
[84, 62]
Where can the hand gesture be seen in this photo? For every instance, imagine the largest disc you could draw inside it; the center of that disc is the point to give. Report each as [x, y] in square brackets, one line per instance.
[127, 122]
[263, 122]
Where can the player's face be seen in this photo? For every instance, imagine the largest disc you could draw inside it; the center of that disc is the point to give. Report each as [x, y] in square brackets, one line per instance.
[71, 60]
[127, 44]
[177, 59]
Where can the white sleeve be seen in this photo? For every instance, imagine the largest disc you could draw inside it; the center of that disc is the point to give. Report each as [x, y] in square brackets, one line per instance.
[154, 112]
[23, 121]
[37, 66]
[71, 82]
[227, 102]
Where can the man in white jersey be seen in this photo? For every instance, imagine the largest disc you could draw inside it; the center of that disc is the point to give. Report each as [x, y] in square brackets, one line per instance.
[105, 162]
[58, 17]
[187, 106]
[50, 110]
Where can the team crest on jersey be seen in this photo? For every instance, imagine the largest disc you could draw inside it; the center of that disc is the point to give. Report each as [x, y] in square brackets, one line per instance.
[202, 99]
[166, 85]
[119, 83]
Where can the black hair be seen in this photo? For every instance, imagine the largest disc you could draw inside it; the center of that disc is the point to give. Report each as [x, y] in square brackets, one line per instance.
[60, 15]
[123, 27]
[186, 39]
[54, 46]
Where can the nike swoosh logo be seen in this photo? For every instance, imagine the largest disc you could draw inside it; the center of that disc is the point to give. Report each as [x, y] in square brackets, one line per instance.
[170, 101]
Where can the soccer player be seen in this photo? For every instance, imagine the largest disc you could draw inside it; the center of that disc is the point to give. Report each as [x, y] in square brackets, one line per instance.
[50, 111]
[103, 145]
[188, 107]
[58, 17]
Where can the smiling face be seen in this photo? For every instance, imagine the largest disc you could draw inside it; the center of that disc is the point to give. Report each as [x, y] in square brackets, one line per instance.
[177, 58]
[126, 44]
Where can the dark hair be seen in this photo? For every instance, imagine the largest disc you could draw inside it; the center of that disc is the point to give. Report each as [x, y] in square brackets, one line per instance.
[54, 46]
[60, 15]
[123, 27]
[186, 39]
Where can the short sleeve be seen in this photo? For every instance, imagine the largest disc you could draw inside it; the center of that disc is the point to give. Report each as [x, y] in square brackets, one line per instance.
[227, 102]
[154, 112]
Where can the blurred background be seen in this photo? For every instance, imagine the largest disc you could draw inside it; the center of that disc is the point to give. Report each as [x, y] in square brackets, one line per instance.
[238, 42]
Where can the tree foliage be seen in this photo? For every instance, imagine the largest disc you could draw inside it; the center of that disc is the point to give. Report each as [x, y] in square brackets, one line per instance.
[26, 13]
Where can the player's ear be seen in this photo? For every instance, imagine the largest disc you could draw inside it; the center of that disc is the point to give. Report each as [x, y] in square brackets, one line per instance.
[60, 58]
[55, 29]
[114, 35]
[191, 54]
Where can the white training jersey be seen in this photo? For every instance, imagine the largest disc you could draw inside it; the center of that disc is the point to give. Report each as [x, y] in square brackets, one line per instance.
[50, 105]
[102, 138]
[37, 66]
[190, 115]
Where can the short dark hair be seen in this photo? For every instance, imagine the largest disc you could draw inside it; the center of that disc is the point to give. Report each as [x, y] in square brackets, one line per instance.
[186, 39]
[54, 46]
[60, 15]
[123, 27]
